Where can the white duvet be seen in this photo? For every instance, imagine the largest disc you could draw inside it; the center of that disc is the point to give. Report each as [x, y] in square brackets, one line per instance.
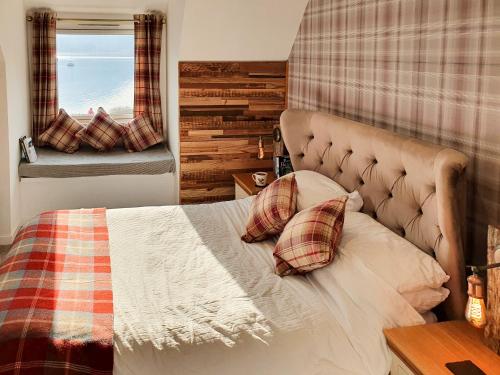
[191, 298]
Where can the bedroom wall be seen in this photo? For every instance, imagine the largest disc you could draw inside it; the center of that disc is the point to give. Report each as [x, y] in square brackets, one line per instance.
[232, 89]
[427, 69]
[14, 113]
[224, 108]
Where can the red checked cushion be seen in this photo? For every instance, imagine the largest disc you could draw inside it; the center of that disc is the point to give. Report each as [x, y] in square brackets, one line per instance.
[63, 133]
[310, 238]
[102, 132]
[140, 135]
[271, 209]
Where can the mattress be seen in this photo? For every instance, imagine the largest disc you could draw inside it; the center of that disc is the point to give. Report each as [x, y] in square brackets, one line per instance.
[191, 298]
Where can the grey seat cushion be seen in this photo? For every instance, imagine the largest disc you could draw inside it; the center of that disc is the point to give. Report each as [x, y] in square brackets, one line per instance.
[88, 162]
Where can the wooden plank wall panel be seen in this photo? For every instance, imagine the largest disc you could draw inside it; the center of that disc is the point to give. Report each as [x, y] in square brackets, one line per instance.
[224, 108]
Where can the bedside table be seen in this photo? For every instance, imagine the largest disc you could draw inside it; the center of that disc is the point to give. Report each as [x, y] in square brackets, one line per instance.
[244, 185]
[427, 348]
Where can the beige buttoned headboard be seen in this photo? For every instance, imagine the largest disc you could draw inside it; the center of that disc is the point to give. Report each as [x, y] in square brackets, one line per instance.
[414, 188]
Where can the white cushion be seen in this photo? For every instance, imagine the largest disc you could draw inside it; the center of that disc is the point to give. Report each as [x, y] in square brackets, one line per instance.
[390, 259]
[315, 188]
[426, 299]
[400, 263]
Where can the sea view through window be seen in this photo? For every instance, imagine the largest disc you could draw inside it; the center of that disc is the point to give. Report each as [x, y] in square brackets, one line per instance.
[95, 71]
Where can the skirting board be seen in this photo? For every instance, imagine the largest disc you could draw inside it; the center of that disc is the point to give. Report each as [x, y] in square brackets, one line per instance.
[45, 194]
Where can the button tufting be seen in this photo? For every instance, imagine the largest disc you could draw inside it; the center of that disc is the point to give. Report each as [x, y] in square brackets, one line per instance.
[390, 195]
[321, 162]
[350, 151]
[403, 173]
[301, 155]
[420, 212]
[330, 144]
[403, 232]
[374, 215]
[340, 170]
[361, 182]
[375, 161]
[311, 136]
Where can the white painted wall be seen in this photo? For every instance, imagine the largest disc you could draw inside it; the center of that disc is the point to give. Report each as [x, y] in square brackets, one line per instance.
[15, 121]
[45, 194]
[4, 158]
[175, 17]
[19, 200]
[239, 30]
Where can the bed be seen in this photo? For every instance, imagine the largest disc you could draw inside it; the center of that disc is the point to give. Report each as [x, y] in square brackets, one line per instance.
[189, 297]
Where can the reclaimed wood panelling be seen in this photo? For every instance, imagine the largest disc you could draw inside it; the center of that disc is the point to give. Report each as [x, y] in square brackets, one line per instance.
[224, 108]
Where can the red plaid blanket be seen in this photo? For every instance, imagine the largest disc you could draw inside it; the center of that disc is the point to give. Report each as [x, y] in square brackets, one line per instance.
[56, 301]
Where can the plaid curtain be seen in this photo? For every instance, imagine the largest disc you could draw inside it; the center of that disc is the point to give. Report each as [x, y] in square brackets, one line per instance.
[44, 83]
[147, 99]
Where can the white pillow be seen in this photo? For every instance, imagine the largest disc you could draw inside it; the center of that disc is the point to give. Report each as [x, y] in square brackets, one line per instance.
[429, 317]
[397, 261]
[314, 188]
[426, 299]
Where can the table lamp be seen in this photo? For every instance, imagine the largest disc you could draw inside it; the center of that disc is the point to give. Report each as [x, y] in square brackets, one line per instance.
[475, 312]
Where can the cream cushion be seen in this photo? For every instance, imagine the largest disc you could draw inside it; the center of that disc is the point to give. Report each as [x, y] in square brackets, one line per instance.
[314, 188]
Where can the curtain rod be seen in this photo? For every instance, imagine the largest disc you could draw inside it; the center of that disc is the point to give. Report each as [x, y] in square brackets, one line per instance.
[30, 18]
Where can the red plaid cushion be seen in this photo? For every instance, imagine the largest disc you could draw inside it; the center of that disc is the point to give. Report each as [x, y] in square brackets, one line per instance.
[63, 133]
[310, 239]
[271, 209]
[140, 135]
[102, 132]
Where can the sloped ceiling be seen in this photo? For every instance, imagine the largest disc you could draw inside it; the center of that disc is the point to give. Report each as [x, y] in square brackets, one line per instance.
[212, 29]
[240, 29]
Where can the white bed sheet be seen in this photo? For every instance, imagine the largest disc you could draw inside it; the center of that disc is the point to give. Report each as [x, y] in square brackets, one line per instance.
[191, 298]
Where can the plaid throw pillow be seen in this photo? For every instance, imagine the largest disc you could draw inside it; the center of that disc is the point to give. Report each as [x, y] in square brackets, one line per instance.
[102, 132]
[63, 133]
[140, 135]
[310, 239]
[271, 209]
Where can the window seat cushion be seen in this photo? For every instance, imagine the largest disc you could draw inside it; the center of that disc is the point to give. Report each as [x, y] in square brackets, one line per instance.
[88, 162]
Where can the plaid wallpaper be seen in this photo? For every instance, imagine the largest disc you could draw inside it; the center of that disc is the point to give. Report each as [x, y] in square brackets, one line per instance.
[424, 68]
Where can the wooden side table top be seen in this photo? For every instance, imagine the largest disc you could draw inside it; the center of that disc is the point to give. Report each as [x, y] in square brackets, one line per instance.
[427, 348]
[245, 181]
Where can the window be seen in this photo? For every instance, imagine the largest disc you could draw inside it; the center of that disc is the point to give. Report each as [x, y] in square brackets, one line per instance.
[96, 70]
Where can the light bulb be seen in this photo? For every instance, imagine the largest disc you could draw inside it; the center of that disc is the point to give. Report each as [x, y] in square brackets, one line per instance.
[475, 311]
[261, 152]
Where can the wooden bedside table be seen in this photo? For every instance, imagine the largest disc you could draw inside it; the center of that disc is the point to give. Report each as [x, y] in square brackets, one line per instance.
[427, 348]
[244, 185]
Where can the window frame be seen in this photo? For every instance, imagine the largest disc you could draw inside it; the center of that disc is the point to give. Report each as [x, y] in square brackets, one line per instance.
[95, 27]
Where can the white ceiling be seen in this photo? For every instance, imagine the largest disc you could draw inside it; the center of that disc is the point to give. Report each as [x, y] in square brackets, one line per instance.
[101, 6]
[211, 30]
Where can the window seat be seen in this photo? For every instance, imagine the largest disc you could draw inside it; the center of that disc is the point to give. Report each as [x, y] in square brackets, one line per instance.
[87, 162]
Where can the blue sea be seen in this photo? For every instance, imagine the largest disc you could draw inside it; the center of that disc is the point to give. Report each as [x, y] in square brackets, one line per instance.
[87, 83]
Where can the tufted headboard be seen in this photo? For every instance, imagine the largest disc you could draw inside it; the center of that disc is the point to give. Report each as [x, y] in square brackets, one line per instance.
[414, 188]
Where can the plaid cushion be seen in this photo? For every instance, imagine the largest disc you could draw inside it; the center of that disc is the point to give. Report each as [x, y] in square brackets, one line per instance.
[102, 132]
[140, 135]
[63, 134]
[310, 239]
[271, 209]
